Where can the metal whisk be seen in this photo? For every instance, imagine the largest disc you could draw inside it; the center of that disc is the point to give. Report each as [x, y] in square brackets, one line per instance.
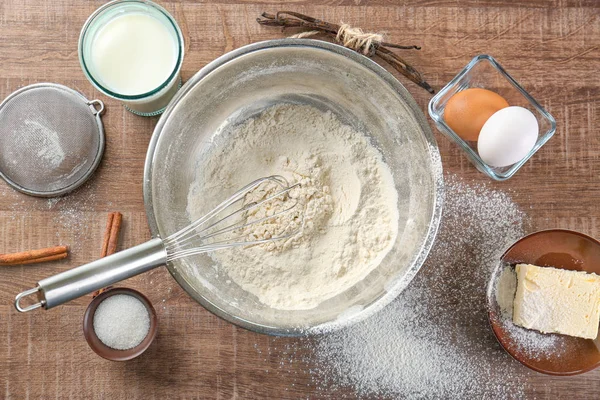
[216, 231]
[227, 225]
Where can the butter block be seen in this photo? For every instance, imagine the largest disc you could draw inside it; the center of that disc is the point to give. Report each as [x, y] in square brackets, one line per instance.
[553, 300]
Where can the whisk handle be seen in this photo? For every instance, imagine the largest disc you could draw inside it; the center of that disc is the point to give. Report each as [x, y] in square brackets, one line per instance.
[79, 281]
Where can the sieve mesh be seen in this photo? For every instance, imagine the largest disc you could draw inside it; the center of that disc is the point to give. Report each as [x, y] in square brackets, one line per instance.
[51, 139]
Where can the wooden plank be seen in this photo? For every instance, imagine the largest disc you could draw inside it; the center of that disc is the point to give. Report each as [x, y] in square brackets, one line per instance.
[551, 47]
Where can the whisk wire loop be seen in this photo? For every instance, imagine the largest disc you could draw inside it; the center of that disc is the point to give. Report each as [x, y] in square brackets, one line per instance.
[208, 233]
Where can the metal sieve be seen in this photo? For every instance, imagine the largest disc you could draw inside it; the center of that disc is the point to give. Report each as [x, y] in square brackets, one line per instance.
[51, 139]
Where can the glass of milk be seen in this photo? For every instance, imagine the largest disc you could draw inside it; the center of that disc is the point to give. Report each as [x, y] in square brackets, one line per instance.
[132, 50]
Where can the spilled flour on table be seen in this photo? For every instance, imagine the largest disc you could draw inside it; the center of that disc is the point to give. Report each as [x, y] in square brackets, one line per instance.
[75, 214]
[434, 340]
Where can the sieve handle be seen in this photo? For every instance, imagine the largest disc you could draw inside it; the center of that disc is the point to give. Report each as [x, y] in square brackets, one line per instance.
[79, 281]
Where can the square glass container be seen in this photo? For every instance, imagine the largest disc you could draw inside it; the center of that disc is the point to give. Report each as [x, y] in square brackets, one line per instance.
[484, 72]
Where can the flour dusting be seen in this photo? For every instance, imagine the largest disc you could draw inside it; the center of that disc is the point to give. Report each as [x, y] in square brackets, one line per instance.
[347, 195]
[434, 340]
[534, 344]
[43, 142]
[505, 291]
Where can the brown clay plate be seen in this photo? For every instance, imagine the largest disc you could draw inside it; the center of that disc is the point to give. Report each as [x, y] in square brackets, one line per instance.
[557, 248]
[107, 352]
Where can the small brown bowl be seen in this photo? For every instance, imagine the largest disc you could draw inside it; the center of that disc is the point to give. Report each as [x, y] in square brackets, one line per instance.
[558, 248]
[107, 352]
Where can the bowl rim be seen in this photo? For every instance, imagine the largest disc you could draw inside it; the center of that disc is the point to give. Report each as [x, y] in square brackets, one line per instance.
[392, 290]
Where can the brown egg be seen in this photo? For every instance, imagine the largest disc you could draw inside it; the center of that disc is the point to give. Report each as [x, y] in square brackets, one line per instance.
[467, 111]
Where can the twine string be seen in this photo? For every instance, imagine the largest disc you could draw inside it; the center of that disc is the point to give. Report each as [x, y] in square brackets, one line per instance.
[358, 40]
[353, 38]
[306, 34]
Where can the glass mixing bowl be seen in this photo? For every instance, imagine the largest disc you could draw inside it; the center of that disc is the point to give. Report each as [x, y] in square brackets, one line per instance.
[241, 84]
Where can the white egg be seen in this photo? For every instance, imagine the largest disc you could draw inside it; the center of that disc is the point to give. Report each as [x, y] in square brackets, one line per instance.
[507, 136]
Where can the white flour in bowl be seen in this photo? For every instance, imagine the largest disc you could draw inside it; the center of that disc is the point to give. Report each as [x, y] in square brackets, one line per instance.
[347, 193]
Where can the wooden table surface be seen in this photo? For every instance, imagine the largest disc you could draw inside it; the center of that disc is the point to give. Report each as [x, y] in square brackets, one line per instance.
[551, 47]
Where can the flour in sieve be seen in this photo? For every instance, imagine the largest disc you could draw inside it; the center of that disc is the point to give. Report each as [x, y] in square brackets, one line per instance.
[42, 141]
[347, 194]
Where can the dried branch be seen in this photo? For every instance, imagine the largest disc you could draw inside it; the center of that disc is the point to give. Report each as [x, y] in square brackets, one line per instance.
[369, 44]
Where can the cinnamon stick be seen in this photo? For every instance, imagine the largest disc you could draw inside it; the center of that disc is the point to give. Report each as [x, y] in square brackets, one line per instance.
[107, 231]
[55, 257]
[111, 239]
[34, 256]
[114, 233]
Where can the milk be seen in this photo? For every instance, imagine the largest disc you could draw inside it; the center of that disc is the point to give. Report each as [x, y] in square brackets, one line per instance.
[134, 53]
